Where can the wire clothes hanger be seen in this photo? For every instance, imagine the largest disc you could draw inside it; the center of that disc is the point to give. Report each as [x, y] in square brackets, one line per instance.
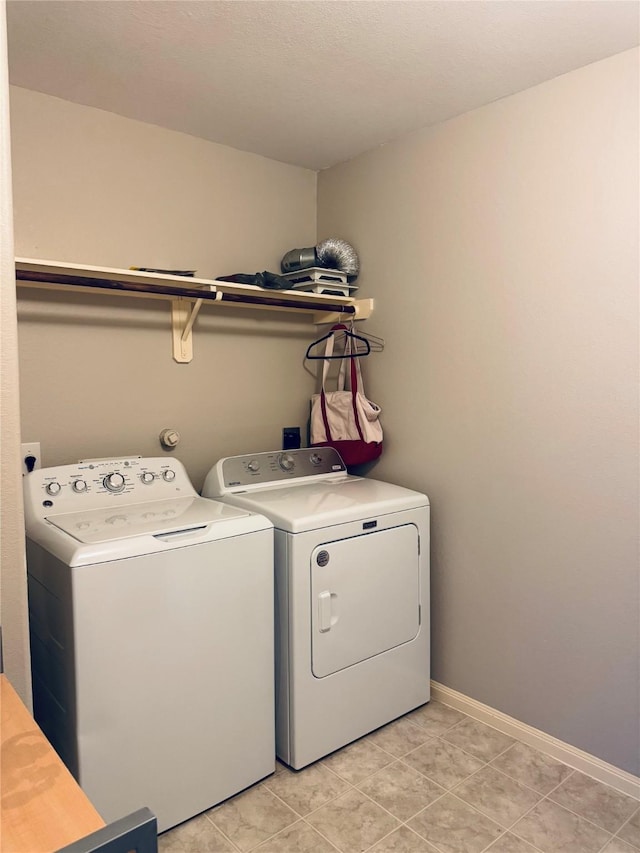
[355, 345]
[376, 343]
[358, 341]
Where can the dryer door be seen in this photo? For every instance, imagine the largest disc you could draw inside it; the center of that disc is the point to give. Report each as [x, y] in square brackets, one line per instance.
[365, 597]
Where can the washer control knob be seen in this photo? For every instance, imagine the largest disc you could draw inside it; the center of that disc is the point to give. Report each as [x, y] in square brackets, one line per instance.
[147, 477]
[316, 459]
[53, 488]
[169, 475]
[79, 486]
[114, 482]
[286, 461]
[253, 465]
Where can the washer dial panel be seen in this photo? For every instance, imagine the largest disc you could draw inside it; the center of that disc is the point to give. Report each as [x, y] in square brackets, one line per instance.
[99, 482]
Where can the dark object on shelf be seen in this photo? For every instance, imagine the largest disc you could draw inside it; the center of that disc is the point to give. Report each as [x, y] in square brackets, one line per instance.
[267, 280]
[186, 273]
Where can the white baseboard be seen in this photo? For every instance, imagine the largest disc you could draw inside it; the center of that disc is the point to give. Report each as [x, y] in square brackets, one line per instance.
[576, 758]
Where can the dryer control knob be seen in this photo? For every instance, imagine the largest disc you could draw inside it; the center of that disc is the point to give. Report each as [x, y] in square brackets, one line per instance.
[286, 461]
[169, 475]
[147, 477]
[114, 482]
[79, 486]
[253, 465]
[53, 488]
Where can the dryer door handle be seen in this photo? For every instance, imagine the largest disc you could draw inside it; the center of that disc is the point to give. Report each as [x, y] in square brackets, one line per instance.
[326, 618]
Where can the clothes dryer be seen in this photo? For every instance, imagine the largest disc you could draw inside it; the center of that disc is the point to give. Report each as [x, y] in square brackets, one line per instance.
[352, 594]
[151, 622]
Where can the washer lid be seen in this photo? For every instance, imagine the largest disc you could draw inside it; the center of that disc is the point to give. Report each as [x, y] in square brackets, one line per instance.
[151, 518]
[311, 505]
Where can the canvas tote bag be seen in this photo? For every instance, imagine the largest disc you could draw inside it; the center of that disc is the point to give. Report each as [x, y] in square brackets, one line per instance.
[345, 418]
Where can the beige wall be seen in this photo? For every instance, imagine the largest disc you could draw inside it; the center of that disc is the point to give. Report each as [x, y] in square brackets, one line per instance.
[97, 375]
[502, 250]
[13, 610]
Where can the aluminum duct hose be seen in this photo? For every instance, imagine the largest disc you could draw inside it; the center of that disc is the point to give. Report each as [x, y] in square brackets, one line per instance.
[338, 255]
[299, 259]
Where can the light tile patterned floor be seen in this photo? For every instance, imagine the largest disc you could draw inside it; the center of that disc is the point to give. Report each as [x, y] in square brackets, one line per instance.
[434, 781]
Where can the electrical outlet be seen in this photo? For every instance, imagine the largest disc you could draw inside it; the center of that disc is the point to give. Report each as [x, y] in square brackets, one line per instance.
[28, 450]
[291, 438]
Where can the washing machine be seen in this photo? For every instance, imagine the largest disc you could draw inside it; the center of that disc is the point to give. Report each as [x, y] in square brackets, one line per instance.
[151, 621]
[352, 594]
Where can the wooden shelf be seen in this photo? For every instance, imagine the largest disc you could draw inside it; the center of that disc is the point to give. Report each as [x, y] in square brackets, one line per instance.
[187, 295]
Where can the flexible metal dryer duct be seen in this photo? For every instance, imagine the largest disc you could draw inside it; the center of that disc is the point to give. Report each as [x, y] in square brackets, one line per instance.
[331, 253]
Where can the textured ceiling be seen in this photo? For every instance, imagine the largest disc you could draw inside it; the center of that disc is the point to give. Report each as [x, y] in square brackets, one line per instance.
[305, 82]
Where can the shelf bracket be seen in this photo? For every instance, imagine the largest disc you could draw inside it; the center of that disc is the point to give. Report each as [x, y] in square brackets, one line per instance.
[183, 316]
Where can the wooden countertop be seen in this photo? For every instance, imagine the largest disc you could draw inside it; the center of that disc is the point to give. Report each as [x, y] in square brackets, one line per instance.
[43, 808]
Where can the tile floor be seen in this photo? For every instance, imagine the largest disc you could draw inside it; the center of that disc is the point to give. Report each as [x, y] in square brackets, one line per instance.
[435, 781]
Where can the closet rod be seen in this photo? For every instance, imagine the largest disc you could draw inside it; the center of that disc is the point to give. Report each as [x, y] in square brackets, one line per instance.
[185, 292]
